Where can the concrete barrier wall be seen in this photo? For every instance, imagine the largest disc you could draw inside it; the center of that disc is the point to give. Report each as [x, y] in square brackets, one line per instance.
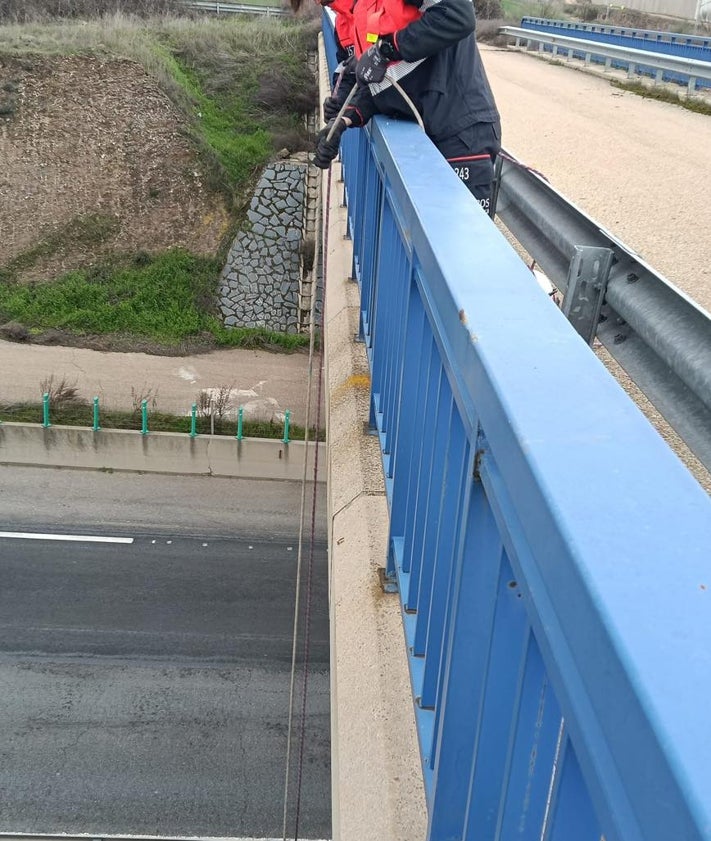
[157, 452]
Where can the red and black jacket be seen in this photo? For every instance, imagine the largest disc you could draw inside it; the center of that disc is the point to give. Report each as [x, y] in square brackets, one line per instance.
[440, 67]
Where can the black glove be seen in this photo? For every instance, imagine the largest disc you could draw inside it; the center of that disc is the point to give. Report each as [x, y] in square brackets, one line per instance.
[326, 150]
[331, 107]
[371, 66]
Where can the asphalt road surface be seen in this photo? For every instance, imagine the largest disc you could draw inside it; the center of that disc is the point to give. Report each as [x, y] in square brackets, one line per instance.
[145, 682]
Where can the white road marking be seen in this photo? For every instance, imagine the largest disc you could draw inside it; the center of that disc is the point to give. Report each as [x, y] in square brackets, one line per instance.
[82, 538]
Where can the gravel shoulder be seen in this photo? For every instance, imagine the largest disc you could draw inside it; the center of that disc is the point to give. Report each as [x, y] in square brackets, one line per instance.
[638, 166]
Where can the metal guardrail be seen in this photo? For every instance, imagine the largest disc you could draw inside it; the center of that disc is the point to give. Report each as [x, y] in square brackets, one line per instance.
[657, 334]
[654, 39]
[633, 59]
[549, 550]
[235, 8]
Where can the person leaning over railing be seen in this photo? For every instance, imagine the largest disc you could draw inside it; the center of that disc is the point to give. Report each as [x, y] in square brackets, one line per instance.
[429, 48]
[343, 30]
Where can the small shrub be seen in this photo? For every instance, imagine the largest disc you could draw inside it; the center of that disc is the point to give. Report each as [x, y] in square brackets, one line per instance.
[138, 395]
[488, 9]
[62, 394]
[214, 402]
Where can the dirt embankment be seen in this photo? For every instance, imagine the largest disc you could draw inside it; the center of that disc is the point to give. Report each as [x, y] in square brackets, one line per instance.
[95, 157]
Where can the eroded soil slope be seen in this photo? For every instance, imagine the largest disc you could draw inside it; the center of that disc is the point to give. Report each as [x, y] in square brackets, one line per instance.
[94, 151]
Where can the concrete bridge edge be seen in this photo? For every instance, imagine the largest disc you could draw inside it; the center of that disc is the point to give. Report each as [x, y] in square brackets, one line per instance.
[378, 792]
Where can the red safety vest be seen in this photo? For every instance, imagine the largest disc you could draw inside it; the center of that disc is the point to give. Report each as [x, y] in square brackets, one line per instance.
[372, 18]
[343, 9]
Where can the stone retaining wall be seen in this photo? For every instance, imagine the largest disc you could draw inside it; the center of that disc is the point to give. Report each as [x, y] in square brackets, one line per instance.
[261, 282]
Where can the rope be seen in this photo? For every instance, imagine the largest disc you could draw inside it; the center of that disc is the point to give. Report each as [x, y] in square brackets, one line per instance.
[505, 156]
[299, 561]
[410, 104]
[309, 579]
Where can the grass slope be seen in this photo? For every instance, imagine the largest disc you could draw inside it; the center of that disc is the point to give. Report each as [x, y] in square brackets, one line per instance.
[244, 86]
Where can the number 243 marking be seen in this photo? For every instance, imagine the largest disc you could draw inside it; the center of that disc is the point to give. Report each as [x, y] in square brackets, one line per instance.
[462, 172]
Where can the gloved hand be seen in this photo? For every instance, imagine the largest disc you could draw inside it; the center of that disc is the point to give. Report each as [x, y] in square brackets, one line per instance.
[331, 107]
[348, 65]
[326, 150]
[371, 66]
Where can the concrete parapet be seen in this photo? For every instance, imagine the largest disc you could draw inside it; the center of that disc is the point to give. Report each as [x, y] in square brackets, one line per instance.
[157, 452]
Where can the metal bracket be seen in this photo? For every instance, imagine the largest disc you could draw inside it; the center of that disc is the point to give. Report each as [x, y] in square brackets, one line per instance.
[388, 585]
[585, 290]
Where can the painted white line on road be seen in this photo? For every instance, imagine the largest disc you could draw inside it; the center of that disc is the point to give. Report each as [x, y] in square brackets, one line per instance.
[84, 538]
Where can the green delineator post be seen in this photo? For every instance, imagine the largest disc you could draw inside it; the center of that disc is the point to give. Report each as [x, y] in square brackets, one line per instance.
[144, 417]
[287, 416]
[96, 426]
[193, 421]
[45, 410]
[239, 424]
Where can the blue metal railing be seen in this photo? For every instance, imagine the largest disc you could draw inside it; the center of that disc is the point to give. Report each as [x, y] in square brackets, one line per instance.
[665, 43]
[551, 553]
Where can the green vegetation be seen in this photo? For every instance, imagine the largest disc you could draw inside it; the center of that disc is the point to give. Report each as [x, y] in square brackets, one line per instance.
[663, 94]
[244, 87]
[81, 414]
[167, 298]
[242, 82]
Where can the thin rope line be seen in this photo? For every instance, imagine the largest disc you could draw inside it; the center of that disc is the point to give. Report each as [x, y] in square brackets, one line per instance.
[309, 578]
[521, 165]
[302, 511]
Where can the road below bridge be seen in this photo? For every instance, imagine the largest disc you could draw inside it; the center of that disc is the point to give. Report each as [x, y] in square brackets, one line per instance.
[145, 663]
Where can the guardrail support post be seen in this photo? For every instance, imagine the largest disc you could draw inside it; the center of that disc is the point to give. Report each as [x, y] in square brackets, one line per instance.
[144, 417]
[96, 426]
[585, 289]
[287, 417]
[45, 410]
[193, 420]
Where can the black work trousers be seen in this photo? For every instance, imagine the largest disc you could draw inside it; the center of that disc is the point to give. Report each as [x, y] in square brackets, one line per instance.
[471, 154]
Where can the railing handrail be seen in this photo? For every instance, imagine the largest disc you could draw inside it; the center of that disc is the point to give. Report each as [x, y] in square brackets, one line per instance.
[654, 36]
[694, 68]
[550, 550]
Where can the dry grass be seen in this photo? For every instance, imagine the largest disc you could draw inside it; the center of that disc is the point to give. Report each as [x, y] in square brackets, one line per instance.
[24, 11]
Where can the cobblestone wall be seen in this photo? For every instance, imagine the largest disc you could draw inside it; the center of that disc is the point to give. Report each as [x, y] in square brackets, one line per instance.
[260, 283]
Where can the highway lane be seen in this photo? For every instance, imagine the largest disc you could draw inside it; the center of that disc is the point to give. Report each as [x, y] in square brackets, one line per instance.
[145, 684]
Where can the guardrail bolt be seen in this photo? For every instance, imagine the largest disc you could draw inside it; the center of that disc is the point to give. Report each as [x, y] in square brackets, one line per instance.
[287, 417]
[193, 420]
[144, 417]
[45, 410]
[96, 426]
[240, 412]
